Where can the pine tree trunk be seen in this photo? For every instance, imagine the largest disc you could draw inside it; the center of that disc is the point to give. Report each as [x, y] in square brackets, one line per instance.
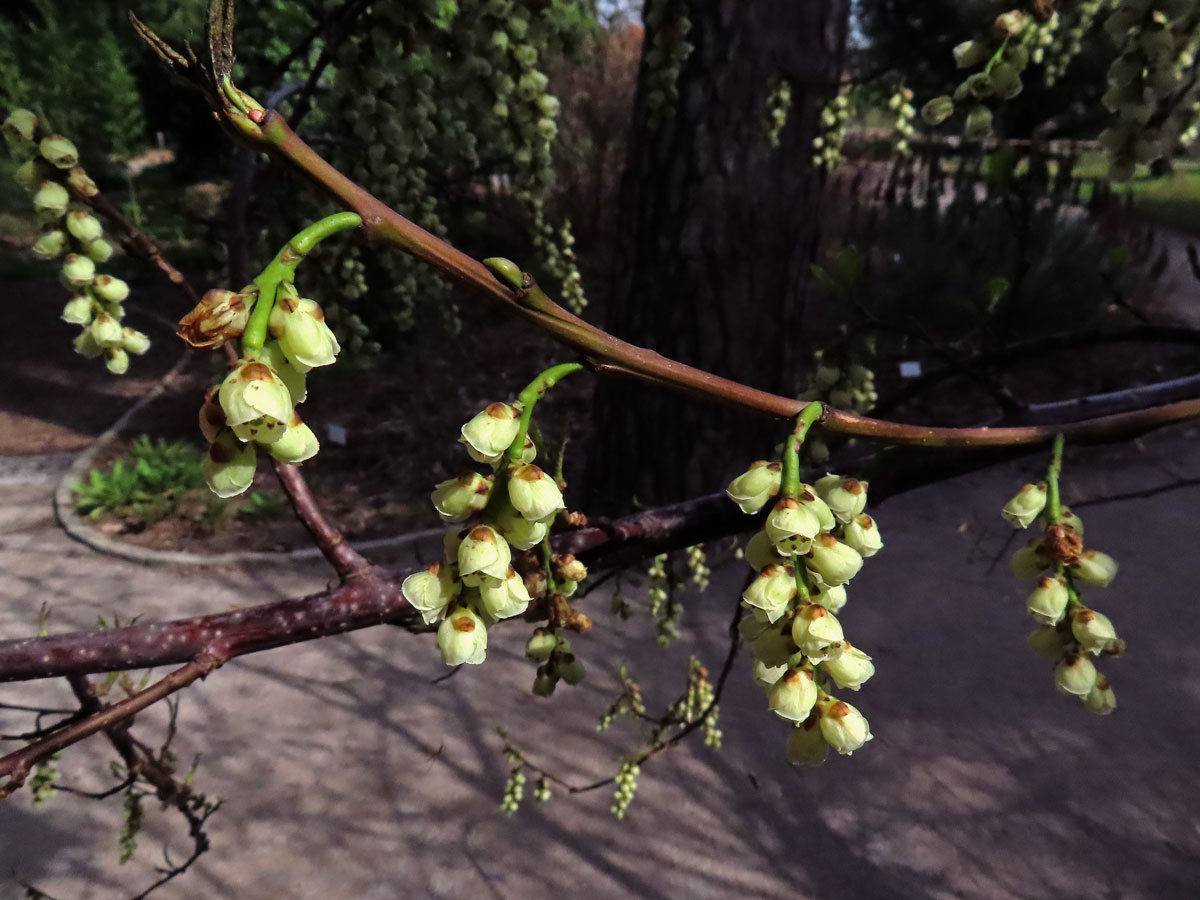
[717, 231]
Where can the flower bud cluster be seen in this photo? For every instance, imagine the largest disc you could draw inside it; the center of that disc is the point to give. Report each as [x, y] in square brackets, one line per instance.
[827, 146]
[662, 603]
[1001, 56]
[415, 116]
[669, 24]
[841, 380]
[555, 249]
[255, 405]
[1068, 632]
[697, 562]
[1066, 42]
[779, 105]
[811, 546]
[903, 112]
[628, 703]
[699, 704]
[627, 784]
[50, 171]
[494, 519]
[1150, 42]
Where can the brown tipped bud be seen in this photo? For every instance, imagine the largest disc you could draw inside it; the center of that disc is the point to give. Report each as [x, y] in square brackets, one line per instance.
[220, 316]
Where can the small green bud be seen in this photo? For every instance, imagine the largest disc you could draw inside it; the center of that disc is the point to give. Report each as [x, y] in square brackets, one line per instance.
[78, 310]
[850, 669]
[50, 243]
[59, 151]
[134, 341]
[21, 125]
[937, 110]
[792, 527]
[533, 493]
[116, 360]
[483, 555]
[1009, 24]
[806, 745]
[293, 378]
[229, 467]
[969, 54]
[862, 534]
[814, 629]
[505, 270]
[1005, 81]
[772, 591]
[548, 104]
[843, 726]
[299, 326]
[1075, 674]
[541, 645]
[99, 250]
[109, 289]
[774, 646]
[1048, 602]
[489, 433]
[81, 183]
[1026, 506]
[430, 592]
[84, 226]
[50, 201]
[571, 669]
[1093, 630]
[979, 124]
[85, 345]
[832, 598]
[105, 330]
[29, 175]
[457, 498]
[753, 488]
[507, 599]
[520, 532]
[462, 638]
[252, 392]
[297, 444]
[760, 552]
[794, 695]
[1030, 561]
[845, 497]
[545, 682]
[1095, 568]
[834, 561]
[547, 128]
[78, 271]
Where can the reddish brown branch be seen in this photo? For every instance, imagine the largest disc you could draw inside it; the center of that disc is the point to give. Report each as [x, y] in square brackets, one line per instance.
[16, 766]
[346, 561]
[361, 602]
[610, 354]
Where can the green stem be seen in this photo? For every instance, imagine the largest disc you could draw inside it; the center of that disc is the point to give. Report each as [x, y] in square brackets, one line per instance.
[530, 396]
[1053, 497]
[282, 270]
[790, 488]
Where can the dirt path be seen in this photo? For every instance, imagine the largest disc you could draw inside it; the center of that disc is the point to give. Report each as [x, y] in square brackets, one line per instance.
[348, 774]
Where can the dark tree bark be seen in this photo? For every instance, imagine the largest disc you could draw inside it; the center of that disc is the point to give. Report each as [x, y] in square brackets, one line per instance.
[717, 231]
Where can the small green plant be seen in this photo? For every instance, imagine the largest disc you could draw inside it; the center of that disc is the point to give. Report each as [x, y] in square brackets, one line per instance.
[271, 505]
[147, 486]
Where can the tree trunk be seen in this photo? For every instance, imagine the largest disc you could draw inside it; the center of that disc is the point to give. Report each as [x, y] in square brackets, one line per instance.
[717, 231]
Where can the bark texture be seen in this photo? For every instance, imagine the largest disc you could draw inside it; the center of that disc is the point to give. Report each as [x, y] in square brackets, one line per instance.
[717, 230]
